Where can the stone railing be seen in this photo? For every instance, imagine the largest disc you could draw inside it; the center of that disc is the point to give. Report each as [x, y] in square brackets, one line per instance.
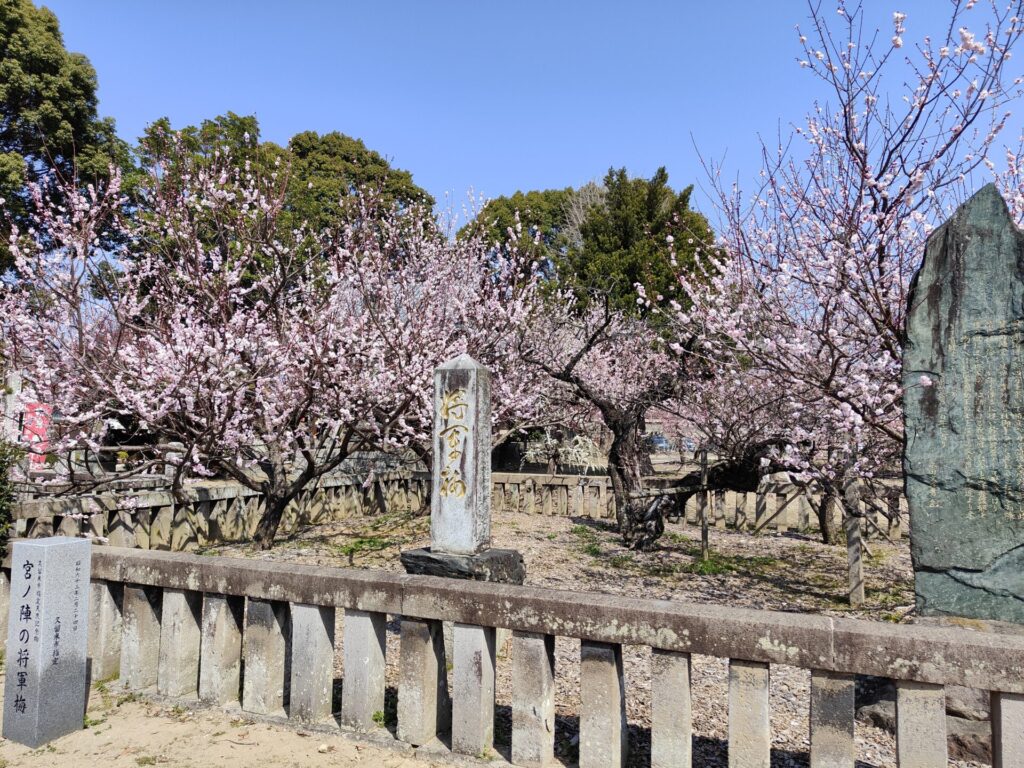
[260, 635]
[212, 512]
[775, 506]
[221, 512]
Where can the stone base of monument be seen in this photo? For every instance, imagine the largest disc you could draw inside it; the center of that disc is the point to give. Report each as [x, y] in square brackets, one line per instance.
[505, 566]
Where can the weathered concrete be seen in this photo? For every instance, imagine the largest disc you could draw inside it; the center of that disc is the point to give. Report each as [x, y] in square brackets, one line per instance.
[501, 565]
[105, 629]
[473, 690]
[460, 511]
[311, 584]
[604, 741]
[140, 637]
[533, 699]
[832, 719]
[750, 733]
[964, 458]
[424, 707]
[180, 623]
[312, 668]
[920, 725]
[45, 685]
[938, 655]
[671, 714]
[362, 693]
[221, 652]
[266, 654]
[1007, 730]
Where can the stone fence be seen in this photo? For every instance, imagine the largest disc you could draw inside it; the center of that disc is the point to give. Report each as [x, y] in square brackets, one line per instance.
[261, 636]
[210, 513]
[213, 513]
[775, 506]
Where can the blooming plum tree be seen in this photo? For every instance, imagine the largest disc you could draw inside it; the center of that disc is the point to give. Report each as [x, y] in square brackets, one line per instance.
[621, 368]
[808, 294]
[269, 353]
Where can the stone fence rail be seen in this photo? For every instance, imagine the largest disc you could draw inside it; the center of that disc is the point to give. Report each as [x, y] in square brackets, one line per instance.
[774, 506]
[260, 636]
[218, 512]
[211, 513]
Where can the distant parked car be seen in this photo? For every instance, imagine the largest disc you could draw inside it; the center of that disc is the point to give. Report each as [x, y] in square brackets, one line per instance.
[658, 443]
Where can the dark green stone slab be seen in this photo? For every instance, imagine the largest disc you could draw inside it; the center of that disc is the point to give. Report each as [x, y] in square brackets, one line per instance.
[964, 457]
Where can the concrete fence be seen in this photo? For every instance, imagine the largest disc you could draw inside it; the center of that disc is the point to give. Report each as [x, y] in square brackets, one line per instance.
[211, 512]
[260, 636]
[774, 506]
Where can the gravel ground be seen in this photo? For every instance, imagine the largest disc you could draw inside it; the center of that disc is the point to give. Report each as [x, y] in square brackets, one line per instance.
[780, 572]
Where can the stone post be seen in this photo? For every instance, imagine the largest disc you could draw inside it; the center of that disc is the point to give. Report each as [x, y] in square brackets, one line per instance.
[750, 737]
[181, 617]
[460, 511]
[604, 739]
[362, 694]
[46, 665]
[533, 699]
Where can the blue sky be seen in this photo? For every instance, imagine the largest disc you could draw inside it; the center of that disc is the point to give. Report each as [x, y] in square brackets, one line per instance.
[489, 96]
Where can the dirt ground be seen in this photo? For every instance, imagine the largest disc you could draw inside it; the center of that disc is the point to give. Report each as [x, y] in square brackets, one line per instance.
[123, 732]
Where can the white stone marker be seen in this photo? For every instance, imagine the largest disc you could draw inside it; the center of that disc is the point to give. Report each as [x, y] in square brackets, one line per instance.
[460, 514]
[47, 632]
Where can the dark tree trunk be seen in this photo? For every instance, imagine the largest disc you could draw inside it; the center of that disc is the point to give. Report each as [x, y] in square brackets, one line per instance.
[267, 527]
[826, 511]
[641, 521]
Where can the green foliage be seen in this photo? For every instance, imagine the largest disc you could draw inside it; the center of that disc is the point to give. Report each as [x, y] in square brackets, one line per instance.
[541, 225]
[9, 457]
[625, 241]
[364, 544]
[328, 168]
[319, 171]
[48, 116]
[604, 239]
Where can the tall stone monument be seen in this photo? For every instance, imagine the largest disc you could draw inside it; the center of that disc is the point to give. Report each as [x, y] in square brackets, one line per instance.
[964, 401]
[460, 500]
[45, 687]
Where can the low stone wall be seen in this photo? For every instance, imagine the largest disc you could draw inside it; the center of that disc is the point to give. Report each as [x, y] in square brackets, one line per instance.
[774, 507]
[211, 513]
[186, 626]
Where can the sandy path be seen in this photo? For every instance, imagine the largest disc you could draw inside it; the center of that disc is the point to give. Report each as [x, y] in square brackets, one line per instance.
[138, 733]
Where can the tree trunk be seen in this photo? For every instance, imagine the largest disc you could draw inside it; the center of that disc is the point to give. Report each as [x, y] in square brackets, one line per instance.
[826, 516]
[705, 543]
[267, 527]
[640, 521]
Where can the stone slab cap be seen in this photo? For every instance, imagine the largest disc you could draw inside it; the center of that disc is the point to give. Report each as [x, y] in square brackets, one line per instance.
[365, 590]
[495, 565]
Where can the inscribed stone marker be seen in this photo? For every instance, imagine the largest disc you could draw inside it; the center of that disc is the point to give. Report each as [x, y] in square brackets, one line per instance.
[460, 515]
[964, 400]
[44, 693]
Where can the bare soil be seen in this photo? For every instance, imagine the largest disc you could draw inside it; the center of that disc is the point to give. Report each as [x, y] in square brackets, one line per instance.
[126, 732]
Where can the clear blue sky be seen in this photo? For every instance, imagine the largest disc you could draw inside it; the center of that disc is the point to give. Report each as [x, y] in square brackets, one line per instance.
[490, 95]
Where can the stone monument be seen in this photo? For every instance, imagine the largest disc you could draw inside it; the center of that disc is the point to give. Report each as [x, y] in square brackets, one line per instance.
[46, 685]
[964, 400]
[460, 499]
